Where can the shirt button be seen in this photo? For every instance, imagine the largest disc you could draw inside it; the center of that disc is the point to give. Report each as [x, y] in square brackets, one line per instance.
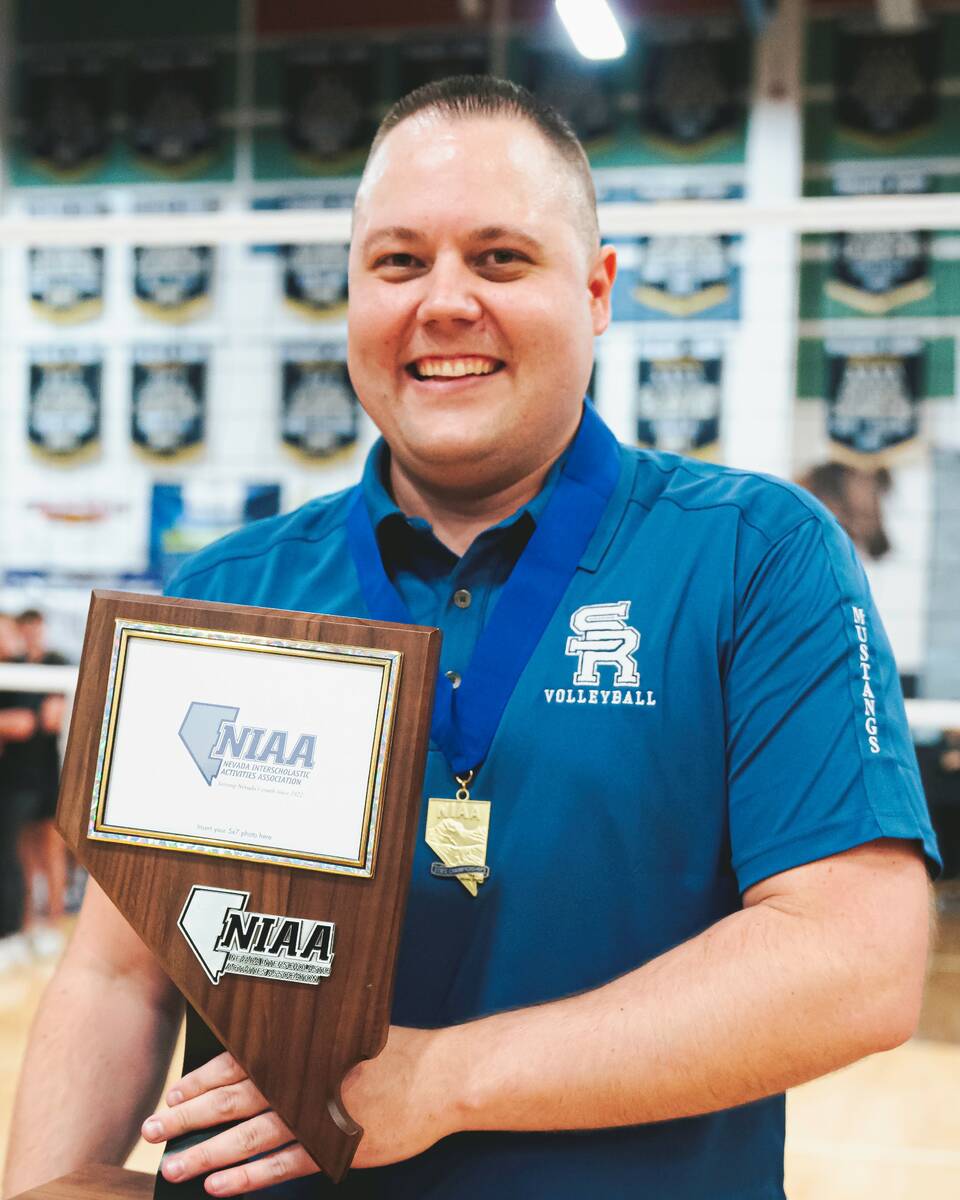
[462, 598]
[454, 678]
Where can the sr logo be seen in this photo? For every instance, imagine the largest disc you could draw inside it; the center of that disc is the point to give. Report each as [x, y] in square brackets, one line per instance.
[604, 639]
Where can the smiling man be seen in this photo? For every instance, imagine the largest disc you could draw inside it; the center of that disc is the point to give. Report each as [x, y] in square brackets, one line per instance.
[705, 875]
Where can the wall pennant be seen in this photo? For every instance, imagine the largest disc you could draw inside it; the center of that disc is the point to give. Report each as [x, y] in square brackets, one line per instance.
[319, 414]
[64, 404]
[173, 283]
[686, 275]
[873, 399]
[315, 280]
[692, 96]
[168, 400]
[876, 272]
[887, 86]
[678, 400]
[330, 106]
[66, 283]
[65, 112]
[173, 112]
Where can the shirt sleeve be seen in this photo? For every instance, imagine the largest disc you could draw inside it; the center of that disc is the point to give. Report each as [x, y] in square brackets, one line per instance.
[819, 753]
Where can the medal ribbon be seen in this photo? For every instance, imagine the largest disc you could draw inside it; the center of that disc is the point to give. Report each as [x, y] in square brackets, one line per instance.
[465, 719]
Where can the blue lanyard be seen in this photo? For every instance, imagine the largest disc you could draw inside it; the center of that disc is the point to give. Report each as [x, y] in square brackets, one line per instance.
[465, 719]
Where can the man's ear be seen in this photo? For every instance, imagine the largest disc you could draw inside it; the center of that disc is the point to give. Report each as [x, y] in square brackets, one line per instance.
[600, 283]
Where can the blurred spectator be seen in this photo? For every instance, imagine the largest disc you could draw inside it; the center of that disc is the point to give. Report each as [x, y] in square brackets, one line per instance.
[43, 855]
[18, 724]
[854, 497]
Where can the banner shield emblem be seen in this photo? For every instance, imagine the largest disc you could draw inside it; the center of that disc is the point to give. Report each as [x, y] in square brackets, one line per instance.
[64, 414]
[66, 283]
[173, 124]
[876, 272]
[678, 402]
[330, 105]
[315, 280]
[693, 96]
[320, 413]
[887, 91]
[168, 410]
[686, 276]
[873, 400]
[173, 283]
[65, 111]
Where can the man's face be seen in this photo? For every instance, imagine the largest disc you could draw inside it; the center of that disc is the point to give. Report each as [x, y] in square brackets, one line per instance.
[34, 638]
[475, 296]
[11, 643]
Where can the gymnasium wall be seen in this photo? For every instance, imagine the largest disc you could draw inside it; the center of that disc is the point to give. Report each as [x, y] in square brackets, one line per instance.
[154, 398]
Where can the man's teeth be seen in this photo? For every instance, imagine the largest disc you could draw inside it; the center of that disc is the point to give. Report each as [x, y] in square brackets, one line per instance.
[453, 367]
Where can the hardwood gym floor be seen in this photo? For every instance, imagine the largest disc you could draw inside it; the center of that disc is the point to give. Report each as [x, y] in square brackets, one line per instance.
[887, 1128]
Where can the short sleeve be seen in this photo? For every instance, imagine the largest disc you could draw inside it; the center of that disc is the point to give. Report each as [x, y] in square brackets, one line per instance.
[819, 754]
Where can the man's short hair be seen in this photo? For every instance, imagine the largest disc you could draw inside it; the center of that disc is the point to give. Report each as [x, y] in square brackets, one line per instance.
[464, 96]
[28, 615]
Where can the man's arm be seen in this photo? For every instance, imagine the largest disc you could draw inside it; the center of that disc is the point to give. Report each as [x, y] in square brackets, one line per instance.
[97, 1055]
[17, 724]
[824, 965]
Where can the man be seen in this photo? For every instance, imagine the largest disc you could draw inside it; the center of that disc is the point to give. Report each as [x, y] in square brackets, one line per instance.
[706, 884]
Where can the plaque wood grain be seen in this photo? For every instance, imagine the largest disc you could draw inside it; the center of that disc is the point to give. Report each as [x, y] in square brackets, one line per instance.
[296, 1041]
[101, 1183]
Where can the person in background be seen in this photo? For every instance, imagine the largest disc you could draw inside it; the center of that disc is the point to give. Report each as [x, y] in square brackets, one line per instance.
[43, 855]
[18, 723]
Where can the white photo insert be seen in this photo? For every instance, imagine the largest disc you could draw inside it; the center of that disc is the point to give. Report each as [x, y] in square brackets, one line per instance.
[248, 747]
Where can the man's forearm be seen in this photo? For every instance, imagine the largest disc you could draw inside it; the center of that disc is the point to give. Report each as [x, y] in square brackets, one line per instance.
[95, 1064]
[761, 1001]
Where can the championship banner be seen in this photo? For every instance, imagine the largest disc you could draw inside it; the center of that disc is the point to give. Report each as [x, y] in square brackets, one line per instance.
[678, 399]
[168, 400]
[585, 93]
[887, 86]
[876, 272]
[65, 116]
[319, 414]
[66, 283]
[315, 280]
[64, 407]
[427, 60]
[692, 95]
[330, 106]
[678, 276]
[873, 398]
[173, 127]
[173, 283]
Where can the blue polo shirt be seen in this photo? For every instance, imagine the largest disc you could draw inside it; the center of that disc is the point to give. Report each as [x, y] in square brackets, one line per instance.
[712, 702]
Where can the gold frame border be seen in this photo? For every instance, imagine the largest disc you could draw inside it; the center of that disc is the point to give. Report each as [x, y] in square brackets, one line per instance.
[389, 662]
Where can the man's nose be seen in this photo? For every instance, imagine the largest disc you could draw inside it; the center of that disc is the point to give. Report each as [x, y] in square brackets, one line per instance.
[450, 293]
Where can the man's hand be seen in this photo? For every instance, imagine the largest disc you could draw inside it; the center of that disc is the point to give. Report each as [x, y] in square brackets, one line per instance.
[17, 724]
[389, 1096]
[51, 713]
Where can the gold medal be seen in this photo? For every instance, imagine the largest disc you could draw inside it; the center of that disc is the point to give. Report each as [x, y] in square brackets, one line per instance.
[457, 831]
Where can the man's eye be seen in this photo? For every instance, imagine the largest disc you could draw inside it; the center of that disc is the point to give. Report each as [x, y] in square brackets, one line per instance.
[500, 258]
[400, 260]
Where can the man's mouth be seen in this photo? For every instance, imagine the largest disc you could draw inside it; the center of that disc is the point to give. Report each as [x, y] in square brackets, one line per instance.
[453, 367]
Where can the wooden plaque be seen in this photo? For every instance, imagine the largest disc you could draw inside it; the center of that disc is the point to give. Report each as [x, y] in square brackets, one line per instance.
[244, 784]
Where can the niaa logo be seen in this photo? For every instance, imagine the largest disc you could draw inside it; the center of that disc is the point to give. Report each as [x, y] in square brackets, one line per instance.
[214, 737]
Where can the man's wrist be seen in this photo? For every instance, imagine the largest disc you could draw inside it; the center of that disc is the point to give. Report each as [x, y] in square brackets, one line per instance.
[449, 1069]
